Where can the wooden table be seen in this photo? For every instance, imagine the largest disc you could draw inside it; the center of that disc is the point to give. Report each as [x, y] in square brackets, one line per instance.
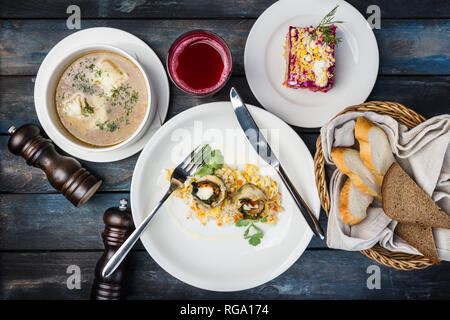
[41, 233]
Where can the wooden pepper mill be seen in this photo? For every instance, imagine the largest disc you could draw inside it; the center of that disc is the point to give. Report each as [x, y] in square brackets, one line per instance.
[118, 226]
[64, 173]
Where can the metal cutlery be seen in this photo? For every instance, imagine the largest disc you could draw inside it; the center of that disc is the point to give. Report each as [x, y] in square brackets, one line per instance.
[262, 147]
[180, 174]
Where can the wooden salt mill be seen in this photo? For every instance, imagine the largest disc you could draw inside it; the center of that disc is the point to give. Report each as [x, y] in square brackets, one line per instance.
[118, 226]
[64, 173]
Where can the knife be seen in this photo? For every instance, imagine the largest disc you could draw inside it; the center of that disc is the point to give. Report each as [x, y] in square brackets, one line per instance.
[262, 147]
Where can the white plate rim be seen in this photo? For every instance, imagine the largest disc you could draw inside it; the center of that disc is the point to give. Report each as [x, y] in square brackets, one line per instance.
[262, 94]
[160, 92]
[300, 248]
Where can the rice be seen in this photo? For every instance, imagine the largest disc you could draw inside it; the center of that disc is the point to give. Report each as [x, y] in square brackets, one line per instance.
[233, 179]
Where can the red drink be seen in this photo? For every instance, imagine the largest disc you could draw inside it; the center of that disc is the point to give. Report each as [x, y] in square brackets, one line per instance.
[199, 62]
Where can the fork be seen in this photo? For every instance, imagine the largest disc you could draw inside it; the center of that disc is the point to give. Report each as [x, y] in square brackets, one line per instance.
[180, 174]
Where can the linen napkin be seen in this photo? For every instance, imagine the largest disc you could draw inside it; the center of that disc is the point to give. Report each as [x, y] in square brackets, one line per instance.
[423, 152]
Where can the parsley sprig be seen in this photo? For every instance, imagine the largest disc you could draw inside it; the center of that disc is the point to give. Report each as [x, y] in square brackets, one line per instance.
[325, 27]
[214, 162]
[87, 110]
[108, 125]
[254, 237]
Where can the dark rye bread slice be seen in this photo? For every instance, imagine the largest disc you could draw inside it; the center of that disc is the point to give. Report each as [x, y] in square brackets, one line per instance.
[420, 238]
[405, 201]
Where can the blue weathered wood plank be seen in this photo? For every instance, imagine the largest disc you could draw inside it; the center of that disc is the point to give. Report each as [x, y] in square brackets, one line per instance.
[406, 46]
[50, 222]
[317, 274]
[411, 46]
[200, 8]
[424, 94]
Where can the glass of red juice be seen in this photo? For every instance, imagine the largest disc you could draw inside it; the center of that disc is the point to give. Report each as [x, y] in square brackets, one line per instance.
[199, 62]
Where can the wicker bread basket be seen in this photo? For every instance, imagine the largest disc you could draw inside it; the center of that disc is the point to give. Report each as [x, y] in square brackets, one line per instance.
[396, 260]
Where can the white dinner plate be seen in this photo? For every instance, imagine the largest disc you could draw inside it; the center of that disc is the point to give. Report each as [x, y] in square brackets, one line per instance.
[356, 61]
[134, 46]
[208, 256]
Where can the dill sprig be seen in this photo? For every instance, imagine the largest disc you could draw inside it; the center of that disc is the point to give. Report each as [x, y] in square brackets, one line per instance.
[328, 19]
[325, 27]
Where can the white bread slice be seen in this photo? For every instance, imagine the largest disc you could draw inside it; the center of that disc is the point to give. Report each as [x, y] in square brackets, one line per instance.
[349, 163]
[374, 148]
[353, 204]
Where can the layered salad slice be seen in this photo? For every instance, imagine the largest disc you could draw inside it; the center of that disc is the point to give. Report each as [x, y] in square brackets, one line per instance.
[310, 57]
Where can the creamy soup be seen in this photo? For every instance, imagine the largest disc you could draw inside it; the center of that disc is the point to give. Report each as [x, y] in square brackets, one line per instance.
[101, 98]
